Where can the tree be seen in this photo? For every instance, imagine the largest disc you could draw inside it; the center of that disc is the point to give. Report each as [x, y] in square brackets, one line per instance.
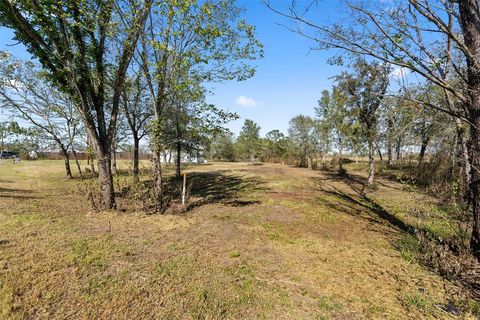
[365, 89]
[222, 147]
[398, 115]
[336, 120]
[276, 145]
[248, 141]
[190, 127]
[28, 94]
[302, 133]
[438, 40]
[137, 107]
[9, 130]
[85, 47]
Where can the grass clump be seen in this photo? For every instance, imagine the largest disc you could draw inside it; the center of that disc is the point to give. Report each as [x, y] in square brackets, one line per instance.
[85, 252]
[234, 254]
[328, 304]
[409, 248]
[419, 301]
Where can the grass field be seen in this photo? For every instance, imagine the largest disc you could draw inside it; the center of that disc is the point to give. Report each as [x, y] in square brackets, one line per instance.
[276, 242]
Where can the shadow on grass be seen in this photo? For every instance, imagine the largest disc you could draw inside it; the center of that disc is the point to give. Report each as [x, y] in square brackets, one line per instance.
[358, 200]
[202, 188]
[216, 187]
[16, 193]
[439, 255]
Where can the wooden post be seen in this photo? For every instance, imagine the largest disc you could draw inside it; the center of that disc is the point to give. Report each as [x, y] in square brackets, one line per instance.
[184, 189]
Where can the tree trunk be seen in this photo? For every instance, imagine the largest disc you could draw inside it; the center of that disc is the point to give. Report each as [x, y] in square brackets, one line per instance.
[340, 159]
[389, 142]
[380, 155]
[114, 156]
[66, 158]
[470, 23]
[135, 159]
[389, 155]
[371, 163]
[423, 148]
[178, 160]
[105, 180]
[159, 205]
[89, 156]
[79, 168]
[398, 149]
[462, 142]
[475, 177]
[92, 165]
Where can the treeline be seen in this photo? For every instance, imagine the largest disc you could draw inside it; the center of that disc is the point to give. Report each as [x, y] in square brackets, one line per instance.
[364, 114]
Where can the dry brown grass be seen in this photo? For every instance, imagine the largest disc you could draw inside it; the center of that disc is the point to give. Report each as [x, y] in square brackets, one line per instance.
[286, 243]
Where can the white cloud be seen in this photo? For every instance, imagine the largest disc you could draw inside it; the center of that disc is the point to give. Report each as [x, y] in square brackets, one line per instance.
[246, 102]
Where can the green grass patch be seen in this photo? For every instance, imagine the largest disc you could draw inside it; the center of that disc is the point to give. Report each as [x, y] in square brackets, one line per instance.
[419, 301]
[234, 254]
[409, 248]
[328, 304]
[87, 252]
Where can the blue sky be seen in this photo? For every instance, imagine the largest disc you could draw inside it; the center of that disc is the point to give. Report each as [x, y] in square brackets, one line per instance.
[288, 81]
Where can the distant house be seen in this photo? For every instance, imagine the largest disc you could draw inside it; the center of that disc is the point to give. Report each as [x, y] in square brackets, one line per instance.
[195, 156]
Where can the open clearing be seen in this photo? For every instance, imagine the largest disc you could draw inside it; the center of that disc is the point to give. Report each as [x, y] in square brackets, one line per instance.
[276, 242]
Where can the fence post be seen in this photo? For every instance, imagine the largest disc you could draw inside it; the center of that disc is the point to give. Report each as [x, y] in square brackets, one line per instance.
[184, 189]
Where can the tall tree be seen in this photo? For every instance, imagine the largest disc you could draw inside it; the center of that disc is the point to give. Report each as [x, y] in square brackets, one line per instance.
[365, 89]
[276, 145]
[222, 147]
[336, 119]
[86, 47]
[248, 141]
[302, 133]
[189, 128]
